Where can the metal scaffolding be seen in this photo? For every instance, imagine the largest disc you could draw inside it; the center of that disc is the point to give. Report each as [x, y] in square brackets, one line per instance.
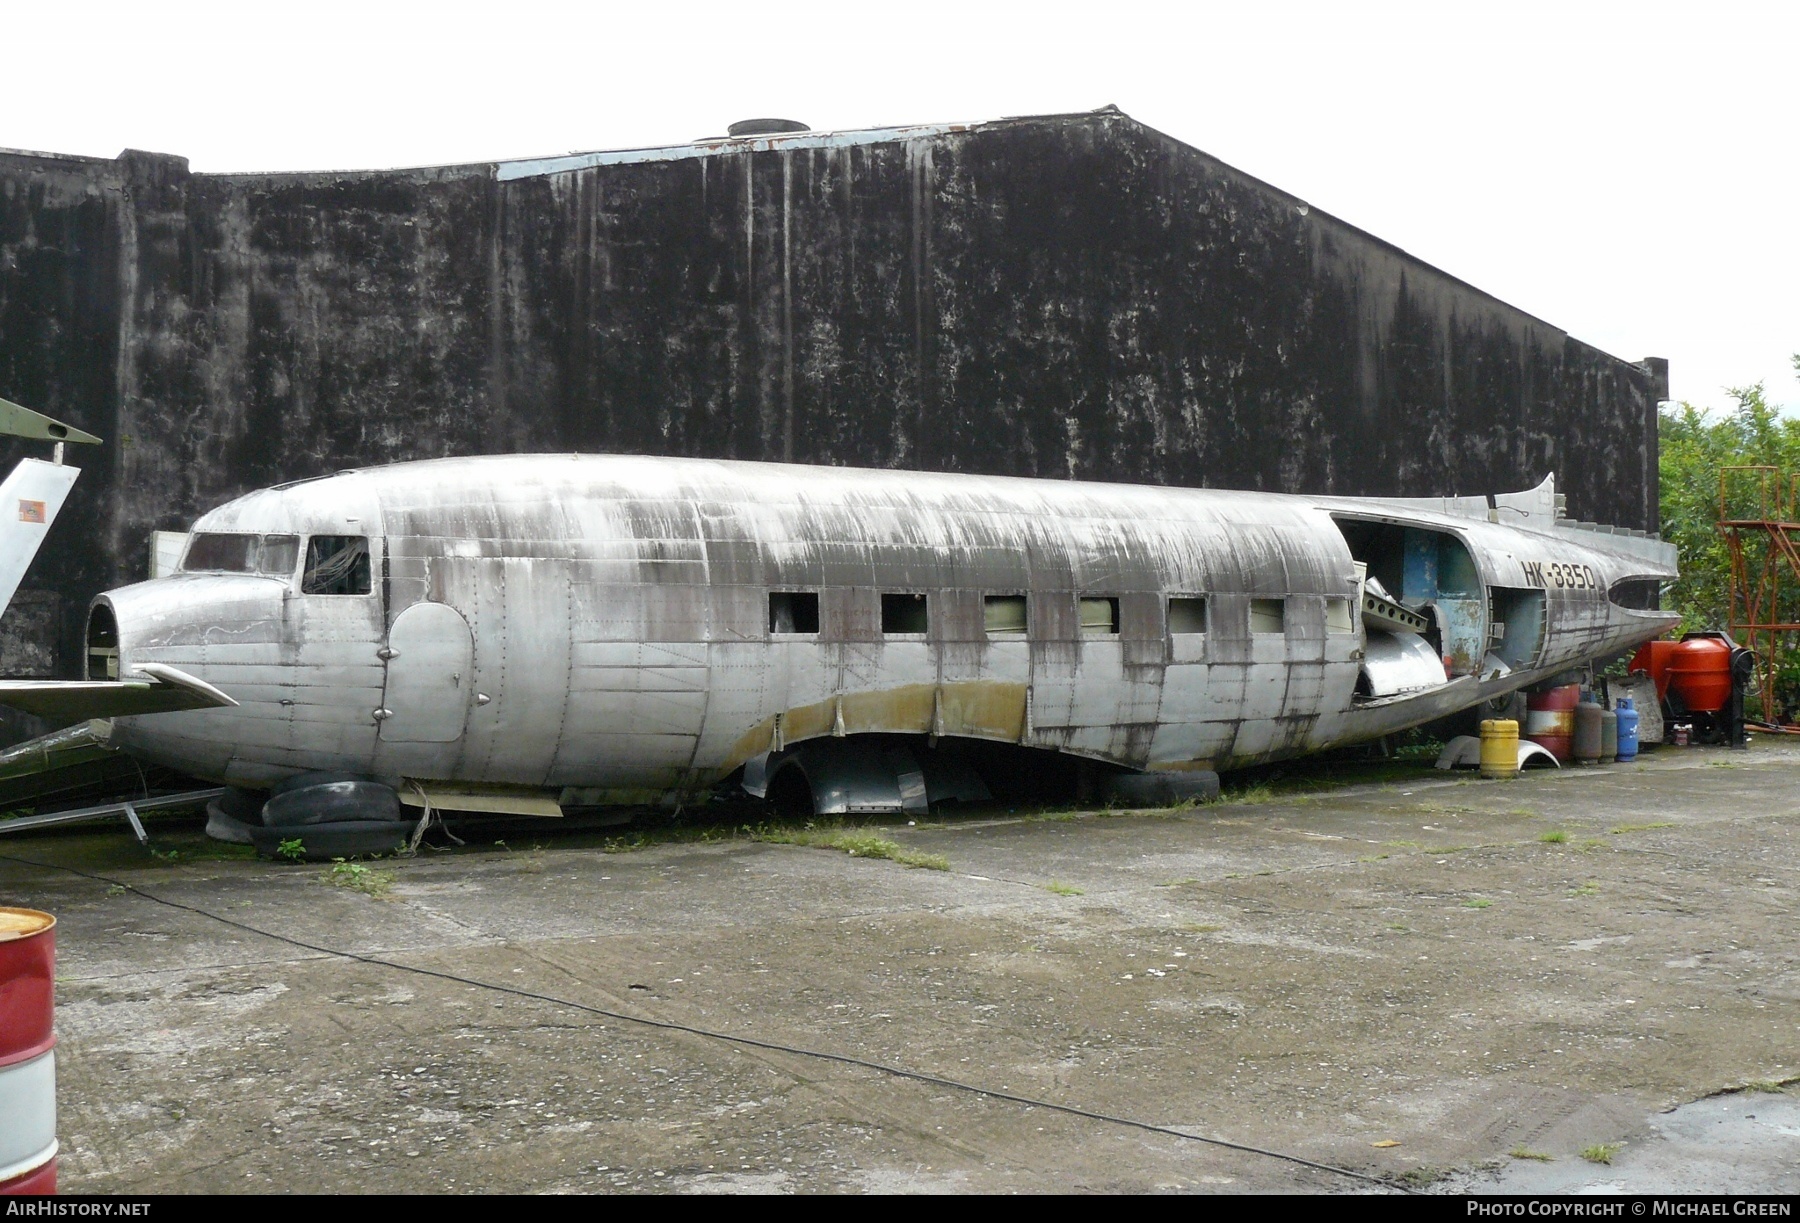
[1759, 518]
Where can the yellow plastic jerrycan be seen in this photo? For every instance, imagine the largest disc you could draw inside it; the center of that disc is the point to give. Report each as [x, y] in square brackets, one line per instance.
[1500, 748]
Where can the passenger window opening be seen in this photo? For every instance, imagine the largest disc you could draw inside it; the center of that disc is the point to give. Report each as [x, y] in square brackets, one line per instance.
[904, 615]
[336, 565]
[1268, 615]
[1339, 618]
[1004, 615]
[1187, 614]
[793, 611]
[1100, 617]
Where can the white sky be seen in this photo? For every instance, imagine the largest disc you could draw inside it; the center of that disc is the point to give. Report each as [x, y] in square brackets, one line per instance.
[1625, 171]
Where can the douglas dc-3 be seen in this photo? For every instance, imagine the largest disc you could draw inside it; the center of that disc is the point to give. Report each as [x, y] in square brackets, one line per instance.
[535, 633]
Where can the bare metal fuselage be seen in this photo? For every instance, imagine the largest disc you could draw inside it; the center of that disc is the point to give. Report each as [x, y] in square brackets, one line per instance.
[603, 623]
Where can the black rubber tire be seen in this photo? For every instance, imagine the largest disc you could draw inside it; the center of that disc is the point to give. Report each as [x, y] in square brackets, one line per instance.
[230, 816]
[334, 802]
[300, 781]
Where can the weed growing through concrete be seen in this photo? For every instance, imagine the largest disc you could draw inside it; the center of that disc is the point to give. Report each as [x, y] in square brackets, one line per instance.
[1255, 792]
[1600, 1152]
[1589, 888]
[1622, 829]
[1522, 1153]
[1063, 889]
[293, 849]
[1768, 1086]
[856, 842]
[1554, 838]
[359, 878]
[1479, 902]
[1419, 1178]
[1177, 883]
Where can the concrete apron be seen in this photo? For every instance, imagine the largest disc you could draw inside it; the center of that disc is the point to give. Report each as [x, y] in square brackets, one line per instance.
[1410, 963]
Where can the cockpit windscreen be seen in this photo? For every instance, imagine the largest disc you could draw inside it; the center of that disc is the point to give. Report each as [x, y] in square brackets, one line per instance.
[219, 552]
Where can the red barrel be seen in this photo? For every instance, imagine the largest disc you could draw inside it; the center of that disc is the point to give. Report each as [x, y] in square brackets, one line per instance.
[1700, 673]
[27, 1059]
[1550, 719]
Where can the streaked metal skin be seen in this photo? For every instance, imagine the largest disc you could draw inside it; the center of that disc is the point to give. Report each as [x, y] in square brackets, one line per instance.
[617, 621]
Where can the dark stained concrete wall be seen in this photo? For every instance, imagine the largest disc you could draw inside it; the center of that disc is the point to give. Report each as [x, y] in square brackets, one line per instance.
[1073, 296]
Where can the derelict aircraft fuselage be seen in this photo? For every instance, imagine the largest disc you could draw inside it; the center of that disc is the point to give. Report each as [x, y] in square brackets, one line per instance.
[613, 629]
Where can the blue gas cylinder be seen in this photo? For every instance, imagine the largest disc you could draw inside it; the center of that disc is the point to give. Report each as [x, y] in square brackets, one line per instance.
[1628, 728]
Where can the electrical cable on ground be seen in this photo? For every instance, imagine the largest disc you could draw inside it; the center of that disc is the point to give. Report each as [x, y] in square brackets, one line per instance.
[668, 1025]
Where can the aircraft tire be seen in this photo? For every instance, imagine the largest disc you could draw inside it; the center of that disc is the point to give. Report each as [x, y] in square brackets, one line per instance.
[333, 802]
[230, 816]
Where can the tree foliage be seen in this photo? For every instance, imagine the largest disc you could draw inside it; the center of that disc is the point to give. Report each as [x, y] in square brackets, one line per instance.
[1696, 446]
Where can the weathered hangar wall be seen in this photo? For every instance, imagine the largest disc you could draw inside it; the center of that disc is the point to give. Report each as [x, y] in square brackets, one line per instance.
[1073, 296]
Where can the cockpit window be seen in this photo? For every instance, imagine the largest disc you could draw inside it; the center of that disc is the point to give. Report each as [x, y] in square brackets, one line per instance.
[279, 555]
[221, 554]
[336, 565]
[218, 552]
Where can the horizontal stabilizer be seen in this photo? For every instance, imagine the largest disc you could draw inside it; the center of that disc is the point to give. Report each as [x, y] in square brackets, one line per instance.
[71, 700]
[16, 421]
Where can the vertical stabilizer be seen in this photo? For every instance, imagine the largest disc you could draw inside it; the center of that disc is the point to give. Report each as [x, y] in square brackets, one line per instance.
[29, 502]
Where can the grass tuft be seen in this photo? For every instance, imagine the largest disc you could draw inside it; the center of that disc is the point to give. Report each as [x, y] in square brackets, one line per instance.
[359, 878]
[1479, 902]
[1601, 1152]
[1554, 838]
[1522, 1153]
[1622, 829]
[857, 842]
[1063, 889]
[1255, 792]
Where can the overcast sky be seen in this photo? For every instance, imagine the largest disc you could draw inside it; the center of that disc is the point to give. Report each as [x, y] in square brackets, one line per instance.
[1626, 172]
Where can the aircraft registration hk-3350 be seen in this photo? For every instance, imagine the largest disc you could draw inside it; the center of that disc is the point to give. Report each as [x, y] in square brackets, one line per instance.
[534, 633]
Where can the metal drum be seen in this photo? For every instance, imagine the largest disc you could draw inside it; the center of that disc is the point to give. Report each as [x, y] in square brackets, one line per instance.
[1550, 719]
[27, 1061]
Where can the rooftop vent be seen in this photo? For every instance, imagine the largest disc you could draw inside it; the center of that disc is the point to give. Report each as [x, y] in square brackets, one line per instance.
[765, 127]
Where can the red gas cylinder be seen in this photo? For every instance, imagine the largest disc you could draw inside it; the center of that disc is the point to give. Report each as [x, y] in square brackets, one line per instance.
[1700, 673]
[27, 1061]
[1550, 719]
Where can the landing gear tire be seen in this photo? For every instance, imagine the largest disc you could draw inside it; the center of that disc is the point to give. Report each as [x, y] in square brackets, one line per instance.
[319, 816]
[234, 815]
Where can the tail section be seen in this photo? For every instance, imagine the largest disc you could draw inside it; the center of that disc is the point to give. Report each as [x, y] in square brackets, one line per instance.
[33, 494]
[29, 501]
